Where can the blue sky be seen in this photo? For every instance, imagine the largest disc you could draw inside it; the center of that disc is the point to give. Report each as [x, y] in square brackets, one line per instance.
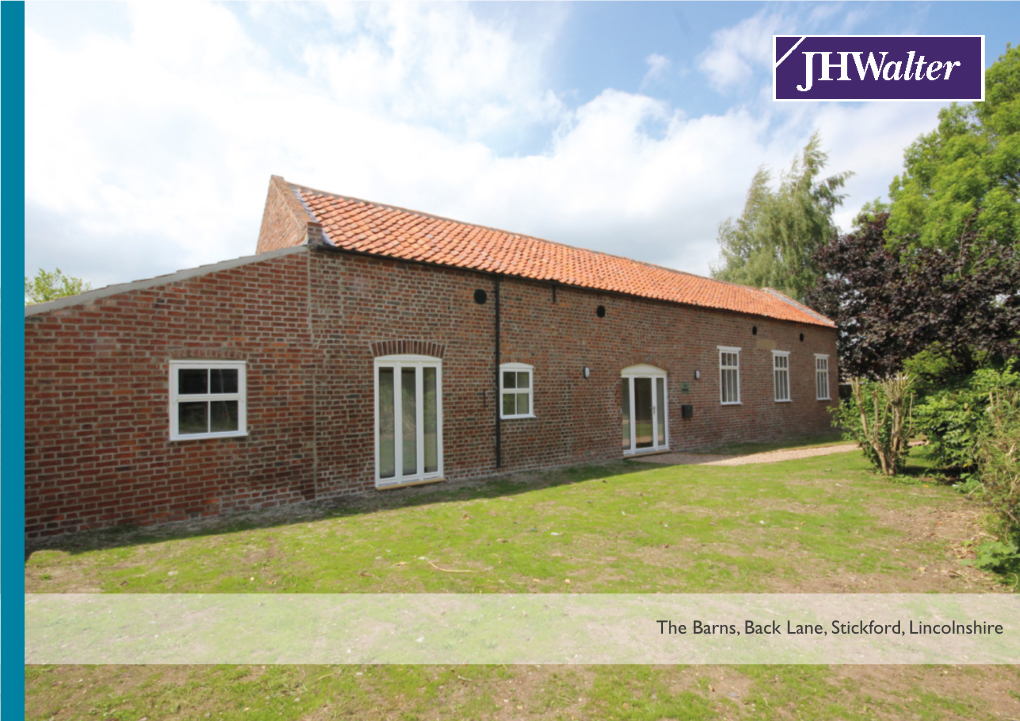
[633, 128]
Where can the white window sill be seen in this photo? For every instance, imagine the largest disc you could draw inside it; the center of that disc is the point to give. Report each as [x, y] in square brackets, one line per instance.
[510, 418]
[207, 436]
[380, 486]
[823, 399]
[784, 401]
[732, 403]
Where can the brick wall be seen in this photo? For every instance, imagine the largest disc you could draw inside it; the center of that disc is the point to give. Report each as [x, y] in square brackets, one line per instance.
[284, 220]
[309, 326]
[97, 448]
[359, 301]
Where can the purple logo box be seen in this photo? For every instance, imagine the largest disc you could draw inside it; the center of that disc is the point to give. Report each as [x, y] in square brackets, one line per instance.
[878, 67]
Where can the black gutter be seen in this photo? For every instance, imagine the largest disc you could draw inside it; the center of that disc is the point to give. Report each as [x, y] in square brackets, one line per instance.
[499, 422]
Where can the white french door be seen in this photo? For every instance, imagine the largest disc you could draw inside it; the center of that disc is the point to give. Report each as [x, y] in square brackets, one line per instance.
[408, 419]
[645, 409]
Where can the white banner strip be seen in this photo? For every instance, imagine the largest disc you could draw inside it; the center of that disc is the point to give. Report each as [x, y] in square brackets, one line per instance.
[522, 629]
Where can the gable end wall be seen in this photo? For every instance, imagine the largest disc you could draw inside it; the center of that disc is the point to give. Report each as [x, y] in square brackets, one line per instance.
[97, 448]
[284, 219]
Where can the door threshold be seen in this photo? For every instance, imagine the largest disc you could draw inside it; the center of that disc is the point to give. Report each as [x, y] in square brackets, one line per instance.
[658, 452]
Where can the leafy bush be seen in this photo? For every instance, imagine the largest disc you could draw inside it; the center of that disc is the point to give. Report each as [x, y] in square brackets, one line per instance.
[998, 557]
[878, 419]
[954, 417]
[998, 460]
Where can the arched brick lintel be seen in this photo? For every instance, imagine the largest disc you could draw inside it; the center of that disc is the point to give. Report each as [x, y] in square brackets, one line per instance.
[646, 358]
[408, 347]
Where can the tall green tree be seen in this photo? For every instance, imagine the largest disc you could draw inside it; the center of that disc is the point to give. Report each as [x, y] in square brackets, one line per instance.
[964, 175]
[774, 241]
[47, 285]
[888, 310]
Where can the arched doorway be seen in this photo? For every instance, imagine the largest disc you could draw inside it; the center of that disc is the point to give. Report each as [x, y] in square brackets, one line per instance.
[645, 409]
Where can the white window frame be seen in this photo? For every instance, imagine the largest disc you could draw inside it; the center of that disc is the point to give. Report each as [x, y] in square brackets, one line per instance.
[418, 362]
[241, 397]
[822, 368]
[777, 370]
[517, 368]
[722, 382]
[644, 370]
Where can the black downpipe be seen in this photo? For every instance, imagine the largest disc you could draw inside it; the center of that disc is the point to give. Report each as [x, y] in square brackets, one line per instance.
[497, 404]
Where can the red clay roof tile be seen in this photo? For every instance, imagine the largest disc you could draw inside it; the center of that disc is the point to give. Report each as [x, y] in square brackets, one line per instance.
[359, 225]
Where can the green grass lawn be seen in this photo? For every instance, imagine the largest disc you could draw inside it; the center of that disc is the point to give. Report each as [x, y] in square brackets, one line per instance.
[624, 693]
[815, 524]
[818, 524]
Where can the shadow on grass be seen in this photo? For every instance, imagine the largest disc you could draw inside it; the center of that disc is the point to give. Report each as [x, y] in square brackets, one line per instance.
[129, 535]
[922, 469]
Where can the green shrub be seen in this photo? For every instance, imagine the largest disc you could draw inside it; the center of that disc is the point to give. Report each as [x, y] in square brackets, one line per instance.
[877, 418]
[998, 459]
[954, 418]
[998, 557]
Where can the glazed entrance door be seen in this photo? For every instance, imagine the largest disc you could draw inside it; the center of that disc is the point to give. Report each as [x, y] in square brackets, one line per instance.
[644, 409]
[409, 412]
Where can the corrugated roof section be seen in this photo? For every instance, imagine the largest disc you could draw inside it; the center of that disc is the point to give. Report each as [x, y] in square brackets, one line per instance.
[359, 225]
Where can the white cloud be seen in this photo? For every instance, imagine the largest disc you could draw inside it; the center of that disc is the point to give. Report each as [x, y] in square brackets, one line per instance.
[658, 65]
[145, 155]
[735, 51]
[738, 52]
[436, 64]
[824, 11]
[869, 139]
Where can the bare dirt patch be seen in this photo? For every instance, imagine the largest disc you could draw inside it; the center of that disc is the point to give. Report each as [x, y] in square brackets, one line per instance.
[69, 579]
[958, 529]
[991, 686]
[955, 524]
[930, 544]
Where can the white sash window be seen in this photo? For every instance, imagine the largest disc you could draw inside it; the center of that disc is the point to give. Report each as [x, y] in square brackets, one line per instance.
[821, 377]
[729, 376]
[781, 373]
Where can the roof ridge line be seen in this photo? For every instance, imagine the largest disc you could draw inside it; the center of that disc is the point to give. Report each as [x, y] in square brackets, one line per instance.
[510, 233]
[586, 256]
[795, 303]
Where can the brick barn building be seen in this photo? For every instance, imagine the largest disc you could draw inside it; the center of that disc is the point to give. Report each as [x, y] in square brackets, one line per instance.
[370, 347]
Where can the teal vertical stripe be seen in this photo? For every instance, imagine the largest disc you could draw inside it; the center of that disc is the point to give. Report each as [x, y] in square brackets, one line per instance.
[12, 359]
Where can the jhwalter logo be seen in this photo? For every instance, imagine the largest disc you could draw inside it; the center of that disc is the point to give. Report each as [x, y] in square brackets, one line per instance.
[878, 67]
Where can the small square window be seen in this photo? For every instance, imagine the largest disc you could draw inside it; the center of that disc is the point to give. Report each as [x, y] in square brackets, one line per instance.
[515, 390]
[207, 399]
